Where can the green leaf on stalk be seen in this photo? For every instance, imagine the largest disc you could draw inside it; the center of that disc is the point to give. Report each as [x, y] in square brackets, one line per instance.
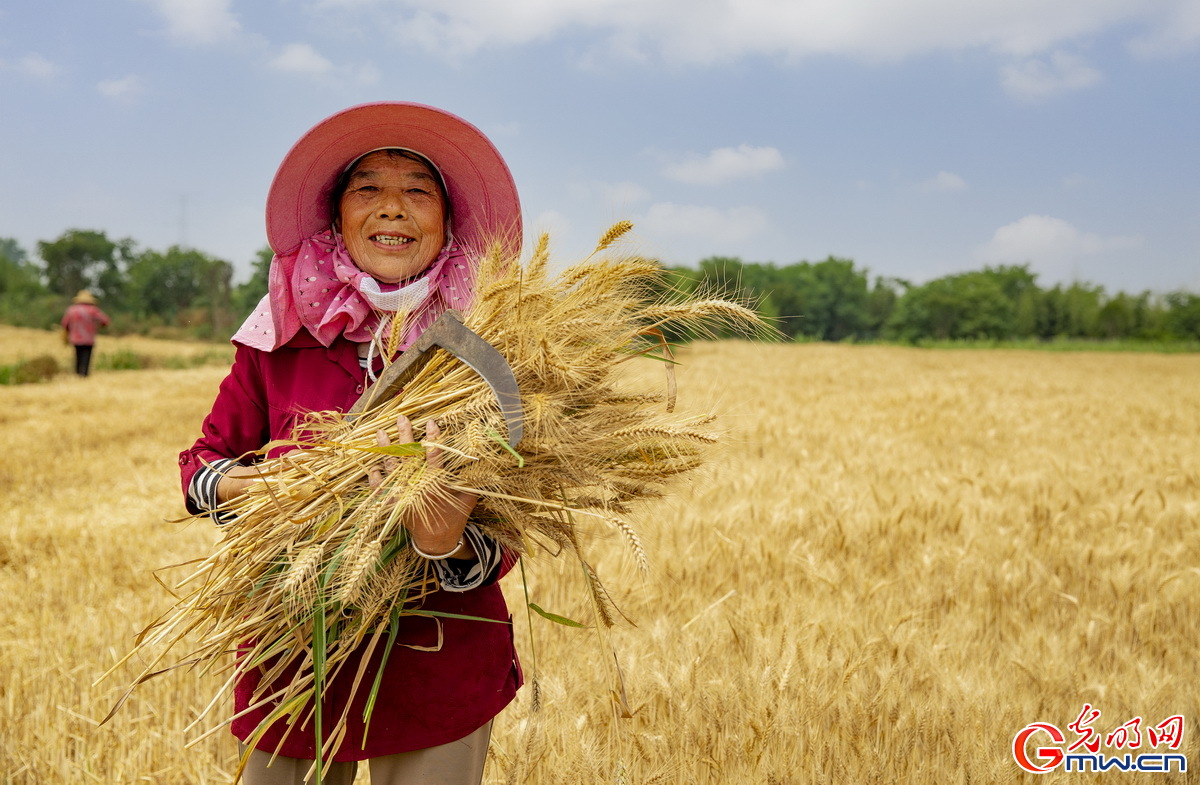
[497, 437]
[650, 356]
[319, 681]
[369, 708]
[410, 450]
[444, 615]
[554, 617]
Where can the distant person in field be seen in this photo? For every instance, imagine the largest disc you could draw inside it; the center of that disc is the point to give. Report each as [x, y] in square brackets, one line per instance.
[378, 217]
[81, 322]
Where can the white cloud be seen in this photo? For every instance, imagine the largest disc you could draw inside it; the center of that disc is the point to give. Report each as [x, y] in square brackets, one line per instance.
[943, 182]
[725, 164]
[37, 66]
[304, 60]
[684, 31]
[124, 89]
[301, 59]
[623, 193]
[198, 21]
[1179, 33]
[549, 222]
[706, 223]
[1051, 245]
[620, 194]
[1035, 78]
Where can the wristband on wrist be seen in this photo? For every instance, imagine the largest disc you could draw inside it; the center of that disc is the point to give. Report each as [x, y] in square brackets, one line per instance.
[436, 557]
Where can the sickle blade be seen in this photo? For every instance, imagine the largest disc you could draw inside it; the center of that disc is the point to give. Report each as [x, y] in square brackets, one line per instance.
[449, 333]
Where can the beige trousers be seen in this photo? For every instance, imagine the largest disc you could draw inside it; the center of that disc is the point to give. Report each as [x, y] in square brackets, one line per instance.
[457, 763]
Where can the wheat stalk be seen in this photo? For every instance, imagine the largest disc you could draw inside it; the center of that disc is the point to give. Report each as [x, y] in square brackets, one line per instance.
[592, 448]
[614, 233]
[358, 572]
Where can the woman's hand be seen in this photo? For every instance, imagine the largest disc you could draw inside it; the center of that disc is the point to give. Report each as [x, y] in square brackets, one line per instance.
[438, 531]
[236, 480]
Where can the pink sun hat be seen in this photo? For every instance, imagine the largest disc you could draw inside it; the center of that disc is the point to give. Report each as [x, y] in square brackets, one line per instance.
[484, 203]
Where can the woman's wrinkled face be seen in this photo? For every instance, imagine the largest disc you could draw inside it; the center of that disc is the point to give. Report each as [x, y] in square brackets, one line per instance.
[392, 216]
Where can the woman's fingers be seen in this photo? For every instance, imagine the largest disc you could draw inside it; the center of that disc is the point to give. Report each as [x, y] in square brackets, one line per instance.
[389, 462]
[433, 455]
[439, 526]
[375, 473]
[405, 429]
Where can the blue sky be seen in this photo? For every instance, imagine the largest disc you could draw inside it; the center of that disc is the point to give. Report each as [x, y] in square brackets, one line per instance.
[917, 137]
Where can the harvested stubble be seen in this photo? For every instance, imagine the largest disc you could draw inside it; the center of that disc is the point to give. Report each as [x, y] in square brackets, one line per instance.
[315, 565]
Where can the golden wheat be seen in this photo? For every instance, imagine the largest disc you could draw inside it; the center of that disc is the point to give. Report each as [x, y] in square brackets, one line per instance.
[906, 557]
[349, 521]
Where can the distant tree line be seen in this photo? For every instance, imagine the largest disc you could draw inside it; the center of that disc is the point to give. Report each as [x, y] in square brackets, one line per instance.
[183, 291]
[835, 300]
[178, 292]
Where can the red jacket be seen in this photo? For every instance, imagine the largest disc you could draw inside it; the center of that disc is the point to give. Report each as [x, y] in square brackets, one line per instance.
[426, 698]
[81, 321]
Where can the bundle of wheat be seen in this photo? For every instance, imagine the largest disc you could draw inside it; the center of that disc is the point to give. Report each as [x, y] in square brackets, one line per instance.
[316, 564]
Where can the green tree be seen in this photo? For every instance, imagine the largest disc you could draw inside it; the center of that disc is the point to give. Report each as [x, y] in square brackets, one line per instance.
[827, 300]
[11, 251]
[18, 277]
[1014, 280]
[24, 300]
[247, 294]
[83, 259]
[1117, 318]
[1150, 317]
[881, 303]
[956, 307]
[1183, 314]
[166, 284]
[1050, 317]
[1081, 310]
[112, 280]
[835, 299]
[1025, 324]
[1020, 287]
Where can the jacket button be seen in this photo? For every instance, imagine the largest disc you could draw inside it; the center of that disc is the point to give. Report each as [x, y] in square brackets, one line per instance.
[359, 390]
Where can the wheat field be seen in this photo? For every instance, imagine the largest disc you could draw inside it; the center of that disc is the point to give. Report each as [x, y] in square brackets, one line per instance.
[22, 343]
[901, 558]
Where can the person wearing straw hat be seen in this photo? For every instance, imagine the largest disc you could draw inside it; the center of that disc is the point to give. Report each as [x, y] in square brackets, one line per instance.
[80, 324]
[377, 217]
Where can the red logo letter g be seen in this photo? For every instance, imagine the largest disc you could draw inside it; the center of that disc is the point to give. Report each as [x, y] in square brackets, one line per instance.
[1053, 755]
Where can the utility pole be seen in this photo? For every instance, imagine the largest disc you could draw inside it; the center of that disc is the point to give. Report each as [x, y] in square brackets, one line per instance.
[183, 241]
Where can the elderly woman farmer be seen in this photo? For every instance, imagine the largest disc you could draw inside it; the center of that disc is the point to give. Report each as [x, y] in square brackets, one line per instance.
[376, 216]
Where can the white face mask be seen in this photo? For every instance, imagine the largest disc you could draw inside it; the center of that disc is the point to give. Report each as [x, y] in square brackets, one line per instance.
[402, 301]
[398, 303]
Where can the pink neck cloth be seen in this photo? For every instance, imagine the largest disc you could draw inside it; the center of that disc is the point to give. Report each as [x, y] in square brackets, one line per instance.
[318, 287]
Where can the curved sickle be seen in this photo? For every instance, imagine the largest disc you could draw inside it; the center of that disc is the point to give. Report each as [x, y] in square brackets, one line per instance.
[448, 332]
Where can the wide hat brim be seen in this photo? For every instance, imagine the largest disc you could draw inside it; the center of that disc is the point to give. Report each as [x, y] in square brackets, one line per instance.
[483, 197]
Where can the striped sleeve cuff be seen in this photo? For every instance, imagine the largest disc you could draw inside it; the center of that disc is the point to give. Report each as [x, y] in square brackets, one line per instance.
[464, 575]
[202, 490]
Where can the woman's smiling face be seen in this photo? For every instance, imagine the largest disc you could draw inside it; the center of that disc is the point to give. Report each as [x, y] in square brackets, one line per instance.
[392, 216]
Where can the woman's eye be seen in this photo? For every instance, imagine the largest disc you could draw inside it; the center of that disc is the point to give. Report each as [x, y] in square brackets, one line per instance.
[366, 189]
